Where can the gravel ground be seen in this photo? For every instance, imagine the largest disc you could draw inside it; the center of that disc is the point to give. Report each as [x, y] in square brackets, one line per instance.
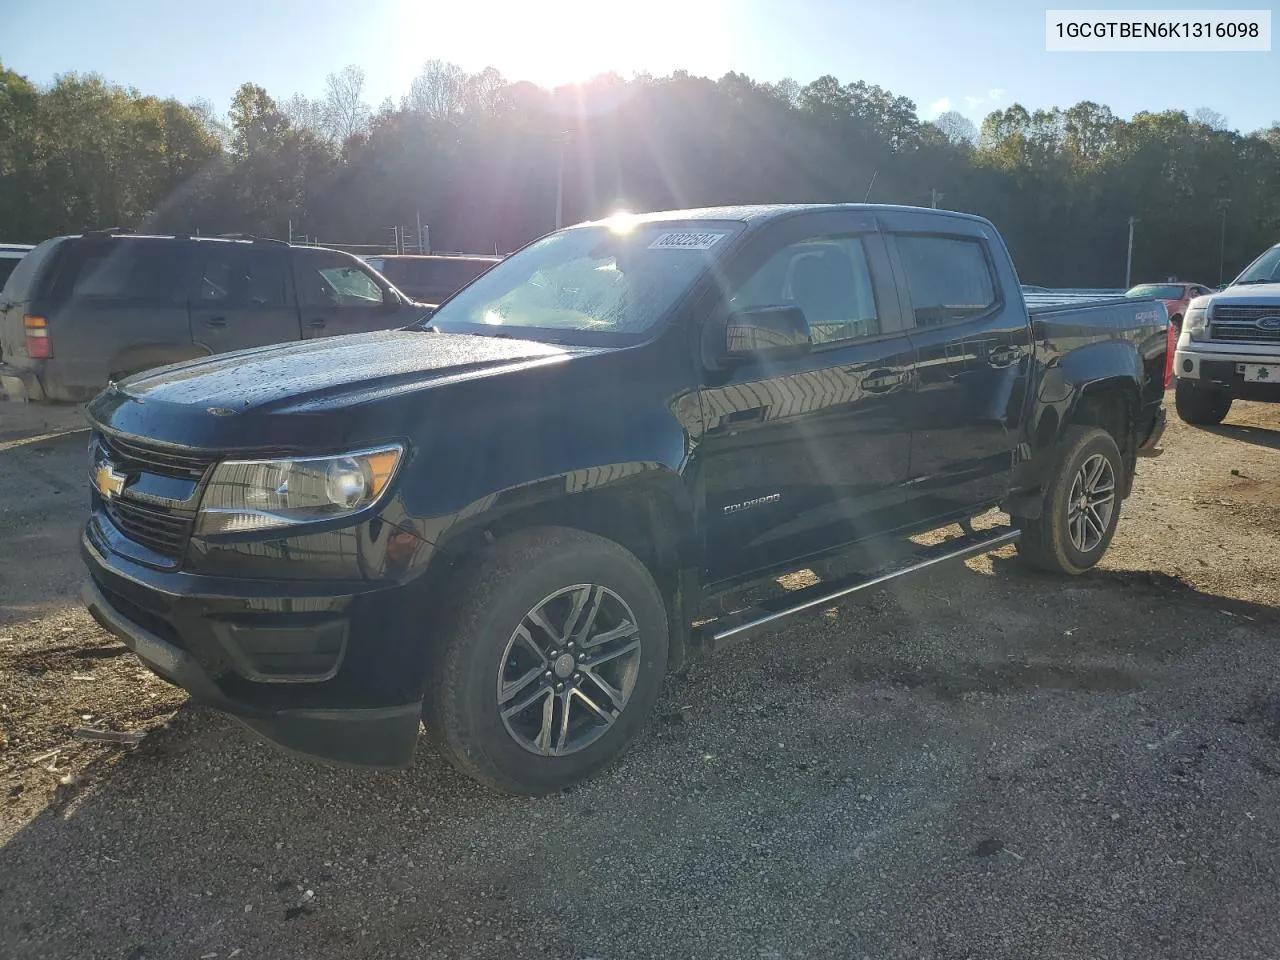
[983, 763]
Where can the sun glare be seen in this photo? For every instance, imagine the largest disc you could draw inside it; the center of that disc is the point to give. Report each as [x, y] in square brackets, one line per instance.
[621, 221]
[569, 41]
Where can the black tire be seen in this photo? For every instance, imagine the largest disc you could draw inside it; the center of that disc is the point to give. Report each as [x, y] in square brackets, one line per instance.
[1200, 406]
[479, 647]
[1050, 541]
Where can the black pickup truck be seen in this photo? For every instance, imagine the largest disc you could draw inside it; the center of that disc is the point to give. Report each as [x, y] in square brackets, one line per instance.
[502, 521]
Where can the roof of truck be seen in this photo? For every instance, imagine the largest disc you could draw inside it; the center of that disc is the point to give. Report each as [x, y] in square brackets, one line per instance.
[757, 213]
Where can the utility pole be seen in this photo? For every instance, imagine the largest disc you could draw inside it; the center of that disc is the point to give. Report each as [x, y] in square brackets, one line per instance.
[1128, 267]
[1222, 243]
[936, 196]
[420, 247]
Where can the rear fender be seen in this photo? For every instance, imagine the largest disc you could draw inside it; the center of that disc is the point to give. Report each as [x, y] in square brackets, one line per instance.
[1069, 390]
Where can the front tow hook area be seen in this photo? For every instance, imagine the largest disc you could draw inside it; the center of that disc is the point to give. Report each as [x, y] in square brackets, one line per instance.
[377, 737]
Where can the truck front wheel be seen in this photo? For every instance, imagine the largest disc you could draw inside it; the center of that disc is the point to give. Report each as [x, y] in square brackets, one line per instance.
[1200, 406]
[1081, 505]
[549, 662]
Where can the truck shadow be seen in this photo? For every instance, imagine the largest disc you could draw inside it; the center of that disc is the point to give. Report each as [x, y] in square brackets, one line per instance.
[1256, 436]
[205, 839]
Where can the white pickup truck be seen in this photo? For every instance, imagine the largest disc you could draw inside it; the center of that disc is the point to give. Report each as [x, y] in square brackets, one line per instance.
[1229, 348]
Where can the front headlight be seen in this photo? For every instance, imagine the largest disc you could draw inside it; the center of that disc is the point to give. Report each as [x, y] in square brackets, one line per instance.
[247, 495]
[1195, 323]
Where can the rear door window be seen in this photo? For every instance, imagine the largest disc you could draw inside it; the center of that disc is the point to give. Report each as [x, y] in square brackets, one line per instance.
[949, 278]
[238, 275]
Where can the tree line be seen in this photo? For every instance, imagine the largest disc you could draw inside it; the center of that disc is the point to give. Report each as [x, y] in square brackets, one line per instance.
[483, 162]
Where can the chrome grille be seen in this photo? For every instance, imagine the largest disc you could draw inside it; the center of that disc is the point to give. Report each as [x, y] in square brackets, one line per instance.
[152, 459]
[161, 530]
[1240, 324]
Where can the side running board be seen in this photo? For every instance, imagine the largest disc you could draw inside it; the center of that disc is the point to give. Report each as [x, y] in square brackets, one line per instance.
[716, 636]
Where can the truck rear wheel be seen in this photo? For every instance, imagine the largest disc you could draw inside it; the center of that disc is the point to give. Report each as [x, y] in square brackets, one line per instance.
[1081, 505]
[549, 662]
[1200, 406]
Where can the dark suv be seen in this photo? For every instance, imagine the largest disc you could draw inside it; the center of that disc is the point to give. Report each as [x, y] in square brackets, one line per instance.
[81, 311]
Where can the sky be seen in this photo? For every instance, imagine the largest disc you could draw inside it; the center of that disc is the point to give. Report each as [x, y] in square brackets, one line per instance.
[943, 54]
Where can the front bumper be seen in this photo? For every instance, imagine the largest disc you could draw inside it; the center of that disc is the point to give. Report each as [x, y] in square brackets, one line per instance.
[319, 669]
[1221, 370]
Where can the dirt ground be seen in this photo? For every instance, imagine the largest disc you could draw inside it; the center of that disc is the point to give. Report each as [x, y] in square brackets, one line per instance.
[984, 762]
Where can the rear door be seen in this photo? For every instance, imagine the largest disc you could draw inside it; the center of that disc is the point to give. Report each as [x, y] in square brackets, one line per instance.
[800, 456]
[241, 296]
[337, 294]
[973, 355]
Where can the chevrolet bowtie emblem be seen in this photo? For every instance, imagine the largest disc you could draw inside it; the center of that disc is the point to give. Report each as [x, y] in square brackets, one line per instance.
[109, 483]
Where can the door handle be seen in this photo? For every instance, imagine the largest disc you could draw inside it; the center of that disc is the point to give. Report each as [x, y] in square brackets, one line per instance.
[315, 324]
[216, 322]
[881, 381]
[1004, 356]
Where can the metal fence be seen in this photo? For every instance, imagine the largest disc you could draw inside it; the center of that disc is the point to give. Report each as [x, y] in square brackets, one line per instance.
[414, 240]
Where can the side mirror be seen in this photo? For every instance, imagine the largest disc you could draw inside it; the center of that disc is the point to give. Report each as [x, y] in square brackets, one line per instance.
[775, 333]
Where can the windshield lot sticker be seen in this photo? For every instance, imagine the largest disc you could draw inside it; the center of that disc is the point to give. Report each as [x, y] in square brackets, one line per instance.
[686, 241]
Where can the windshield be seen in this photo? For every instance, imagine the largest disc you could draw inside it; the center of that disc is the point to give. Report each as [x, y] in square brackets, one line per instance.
[593, 280]
[1161, 291]
[1266, 269]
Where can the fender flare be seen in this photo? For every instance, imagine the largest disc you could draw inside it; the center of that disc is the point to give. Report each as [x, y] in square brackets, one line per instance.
[1104, 367]
[654, 488]
[647, 501]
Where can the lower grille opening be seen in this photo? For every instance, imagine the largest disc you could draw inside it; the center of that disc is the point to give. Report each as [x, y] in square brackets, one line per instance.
[142, 617]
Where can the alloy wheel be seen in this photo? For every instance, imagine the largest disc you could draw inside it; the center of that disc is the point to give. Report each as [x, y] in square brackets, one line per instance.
[568, 670]
[1092, 503]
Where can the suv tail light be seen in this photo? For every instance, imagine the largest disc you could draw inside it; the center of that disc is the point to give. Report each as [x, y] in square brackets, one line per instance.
[38, 346]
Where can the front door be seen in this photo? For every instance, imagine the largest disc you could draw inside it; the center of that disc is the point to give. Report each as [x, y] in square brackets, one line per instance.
[799, 456]
[242, 296]
[973, 355]
[339, 295]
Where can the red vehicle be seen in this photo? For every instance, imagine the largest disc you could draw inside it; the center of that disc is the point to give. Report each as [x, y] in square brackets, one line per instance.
[1176, 295]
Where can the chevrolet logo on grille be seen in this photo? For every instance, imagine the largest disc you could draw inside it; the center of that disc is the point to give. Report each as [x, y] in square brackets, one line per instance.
[108, 482]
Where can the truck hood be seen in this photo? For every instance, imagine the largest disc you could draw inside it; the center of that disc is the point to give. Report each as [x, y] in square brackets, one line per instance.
[338, 371]
[1261, 294]
[277, 396]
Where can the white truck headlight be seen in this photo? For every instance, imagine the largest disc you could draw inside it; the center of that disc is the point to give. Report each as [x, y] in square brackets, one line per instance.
[1196, 323]
[247, 495]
